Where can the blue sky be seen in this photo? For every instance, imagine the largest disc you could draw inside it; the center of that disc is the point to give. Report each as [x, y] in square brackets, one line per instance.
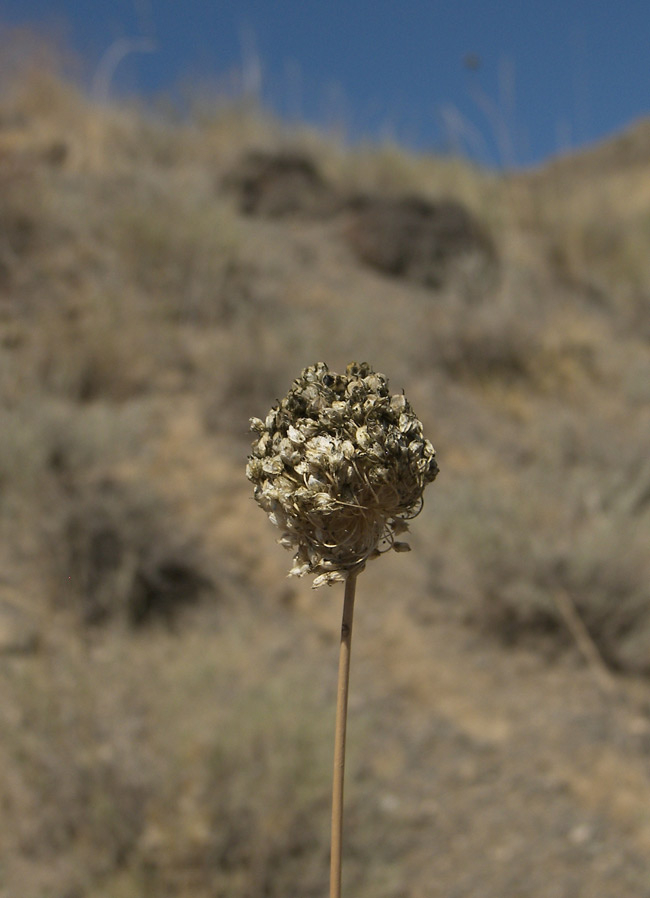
[507, 83]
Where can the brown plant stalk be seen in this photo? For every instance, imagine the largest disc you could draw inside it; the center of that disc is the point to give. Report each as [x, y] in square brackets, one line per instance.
[339, 736]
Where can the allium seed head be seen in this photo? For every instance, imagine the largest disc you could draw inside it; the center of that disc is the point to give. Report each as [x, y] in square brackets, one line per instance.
[340, 465]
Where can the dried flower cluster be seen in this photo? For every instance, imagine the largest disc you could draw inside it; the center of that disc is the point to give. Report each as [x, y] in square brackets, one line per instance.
[340, 465]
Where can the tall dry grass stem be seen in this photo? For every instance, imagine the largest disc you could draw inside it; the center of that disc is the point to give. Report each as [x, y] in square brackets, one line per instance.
[586, 645]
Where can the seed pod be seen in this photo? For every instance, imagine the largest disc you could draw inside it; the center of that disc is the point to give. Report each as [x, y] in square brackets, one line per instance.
[340, 466]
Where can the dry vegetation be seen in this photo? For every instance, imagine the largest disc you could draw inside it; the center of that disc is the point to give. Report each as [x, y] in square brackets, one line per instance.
[166, 695]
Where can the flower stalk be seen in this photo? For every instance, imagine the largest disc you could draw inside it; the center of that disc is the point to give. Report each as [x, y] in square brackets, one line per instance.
[340, 466]
[339, 736]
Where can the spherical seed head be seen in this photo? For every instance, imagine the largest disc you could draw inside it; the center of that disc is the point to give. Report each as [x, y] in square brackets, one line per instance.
[340, 466]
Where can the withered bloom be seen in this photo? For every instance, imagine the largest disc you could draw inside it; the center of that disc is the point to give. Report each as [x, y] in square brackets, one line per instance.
[340, 466]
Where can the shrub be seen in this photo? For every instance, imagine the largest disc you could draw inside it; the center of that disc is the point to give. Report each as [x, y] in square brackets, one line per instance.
[106, 351]
[603, 571]
[182, 249]
[125, 557]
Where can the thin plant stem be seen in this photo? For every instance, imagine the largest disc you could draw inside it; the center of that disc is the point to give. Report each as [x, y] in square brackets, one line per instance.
[584, 641]
[339, 737]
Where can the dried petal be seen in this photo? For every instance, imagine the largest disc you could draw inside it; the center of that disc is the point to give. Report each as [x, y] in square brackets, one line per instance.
[296, 436]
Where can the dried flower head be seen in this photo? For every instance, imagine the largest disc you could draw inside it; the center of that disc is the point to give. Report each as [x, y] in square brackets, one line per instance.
[340, 466]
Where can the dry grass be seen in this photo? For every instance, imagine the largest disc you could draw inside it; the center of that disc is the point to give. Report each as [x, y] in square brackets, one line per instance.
[143, 319]
[120, 811]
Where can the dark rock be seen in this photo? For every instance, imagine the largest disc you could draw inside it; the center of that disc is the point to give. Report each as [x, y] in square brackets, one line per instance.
[421, 241]
[281, 184]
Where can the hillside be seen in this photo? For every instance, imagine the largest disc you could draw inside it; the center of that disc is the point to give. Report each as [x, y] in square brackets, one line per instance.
[166, 693]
